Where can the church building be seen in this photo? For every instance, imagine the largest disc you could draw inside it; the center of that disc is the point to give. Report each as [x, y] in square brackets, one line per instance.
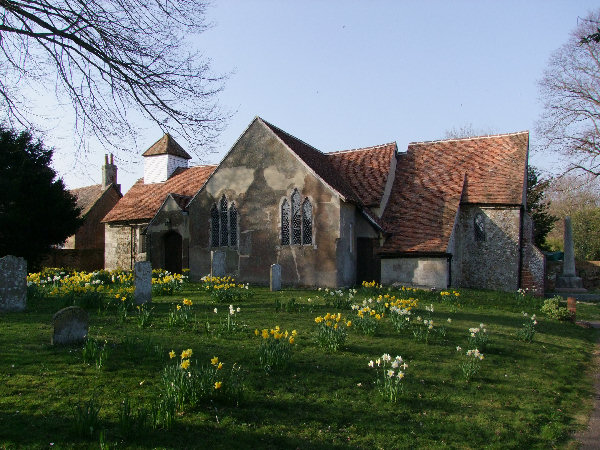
[442, 214]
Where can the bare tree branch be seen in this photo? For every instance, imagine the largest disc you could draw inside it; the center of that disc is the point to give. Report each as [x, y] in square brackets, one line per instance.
[108, 58]
[570, 91]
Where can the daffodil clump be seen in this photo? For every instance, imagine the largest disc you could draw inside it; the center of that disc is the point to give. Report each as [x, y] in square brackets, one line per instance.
[230, 323]
[331, 330]
[225, 289]
[187, 383]
[371, 287]
[166, 283]
[367, 319]
[181, 313]
[275, 349]
[478, 337]
[144, 315]
[471, 364]
[425, 329]
[390, 373]
[400, 312]
[527, 333]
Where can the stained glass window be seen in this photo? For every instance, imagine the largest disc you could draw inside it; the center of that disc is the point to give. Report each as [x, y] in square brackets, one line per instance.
[233, 225]
[306, 222]
[223, 214]
[285, 223]
[296, 219]
[214, 226]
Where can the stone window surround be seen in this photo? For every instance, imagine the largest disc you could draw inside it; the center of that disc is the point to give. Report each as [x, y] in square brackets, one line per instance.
[290, 218]
[232, 240]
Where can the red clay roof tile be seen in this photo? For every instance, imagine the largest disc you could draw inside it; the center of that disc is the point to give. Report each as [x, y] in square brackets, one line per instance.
[366, 169]
[142, 201]
[432, 179]
[166, 145]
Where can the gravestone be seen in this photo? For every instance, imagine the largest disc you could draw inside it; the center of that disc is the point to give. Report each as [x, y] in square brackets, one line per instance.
[217, 263]
[275, 277]
[569, 281]
[70, 326]
[142, 272]
[13, 283]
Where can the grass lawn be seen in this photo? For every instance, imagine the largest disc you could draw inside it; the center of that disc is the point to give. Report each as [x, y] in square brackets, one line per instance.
[526, 394]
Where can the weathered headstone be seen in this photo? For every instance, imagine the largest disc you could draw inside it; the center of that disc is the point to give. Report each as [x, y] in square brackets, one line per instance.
[142, 272]
[70, 325]
[275, 277]
[13, 283]
[217, 263]
[569, 281]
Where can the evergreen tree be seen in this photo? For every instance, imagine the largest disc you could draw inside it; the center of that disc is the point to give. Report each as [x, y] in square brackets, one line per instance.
[36, 211]
[538, 207]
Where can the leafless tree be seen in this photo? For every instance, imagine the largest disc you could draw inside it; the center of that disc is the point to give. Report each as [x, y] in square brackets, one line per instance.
[111, 60]
[570, 91]
[465, 131]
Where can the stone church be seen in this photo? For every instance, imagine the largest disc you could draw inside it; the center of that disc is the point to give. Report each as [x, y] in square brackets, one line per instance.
[442, 214]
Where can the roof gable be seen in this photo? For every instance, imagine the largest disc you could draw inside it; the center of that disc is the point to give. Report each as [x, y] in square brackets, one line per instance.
[86, 197]
[166, 145]
[318, 162]
[142, 201]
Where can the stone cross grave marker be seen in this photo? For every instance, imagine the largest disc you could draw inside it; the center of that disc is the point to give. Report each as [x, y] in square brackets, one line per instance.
[70, 326]
[13, 283]
[143, 282]
[275, 277]
[217, 263]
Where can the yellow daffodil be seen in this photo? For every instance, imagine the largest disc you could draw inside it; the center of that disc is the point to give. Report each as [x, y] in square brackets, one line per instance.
[186, 353]
[214, 361]
[185, 363]
[172, 354]
[218, 384]
[220, 366]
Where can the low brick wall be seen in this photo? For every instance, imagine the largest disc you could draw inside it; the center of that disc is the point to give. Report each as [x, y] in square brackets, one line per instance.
[86, 259]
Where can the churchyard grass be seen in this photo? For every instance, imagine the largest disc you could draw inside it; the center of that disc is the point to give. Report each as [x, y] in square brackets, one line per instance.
[524, 394]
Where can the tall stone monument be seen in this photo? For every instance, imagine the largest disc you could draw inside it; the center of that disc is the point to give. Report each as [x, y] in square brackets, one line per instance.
[569, 281]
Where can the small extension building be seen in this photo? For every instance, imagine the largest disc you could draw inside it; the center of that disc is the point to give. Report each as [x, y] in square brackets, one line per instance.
[444, 213]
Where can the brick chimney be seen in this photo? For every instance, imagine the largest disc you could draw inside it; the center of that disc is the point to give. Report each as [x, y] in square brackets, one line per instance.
[109, 173]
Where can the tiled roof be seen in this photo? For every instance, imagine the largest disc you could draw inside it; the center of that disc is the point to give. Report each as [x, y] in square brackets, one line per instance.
[181, 200]
[366, 169]
[87, 196]
[166, 145]
[319, 162]
[432, 179]
[142, 201]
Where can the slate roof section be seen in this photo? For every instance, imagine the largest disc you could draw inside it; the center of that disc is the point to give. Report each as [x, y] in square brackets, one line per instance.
[366, 169]
[142, 201]
[433, 178]
[318, 161]
[87, 197]
[166, 145]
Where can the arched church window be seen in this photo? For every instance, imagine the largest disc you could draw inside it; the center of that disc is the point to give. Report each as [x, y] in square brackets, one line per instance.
[296, 218]
[233, 225]
[223, 216]
[285, 222]
[306, 222]
[479, 225]
[214, 226]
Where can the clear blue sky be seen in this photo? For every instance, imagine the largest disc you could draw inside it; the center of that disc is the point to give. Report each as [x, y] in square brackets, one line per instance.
[349, 74]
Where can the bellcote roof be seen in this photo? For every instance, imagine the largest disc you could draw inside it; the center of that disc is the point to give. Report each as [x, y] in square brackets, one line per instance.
[166, 145]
